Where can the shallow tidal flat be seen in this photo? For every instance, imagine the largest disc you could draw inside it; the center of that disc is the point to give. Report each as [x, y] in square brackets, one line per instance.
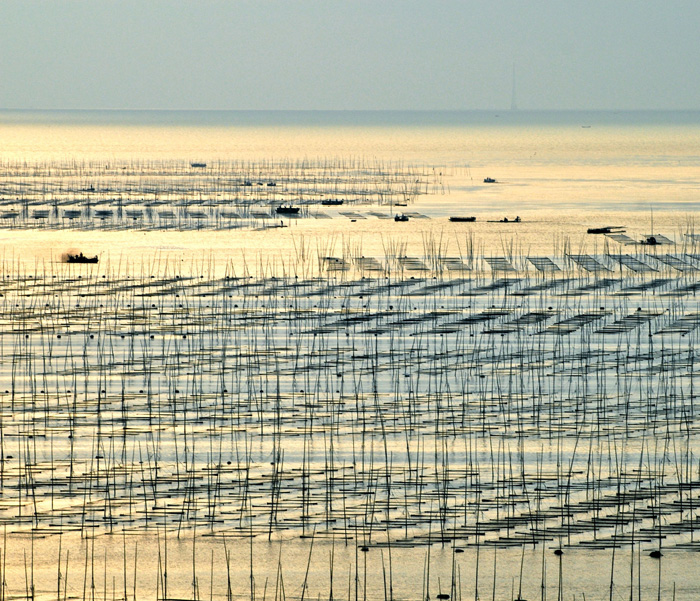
[449, 426]
[331, 404]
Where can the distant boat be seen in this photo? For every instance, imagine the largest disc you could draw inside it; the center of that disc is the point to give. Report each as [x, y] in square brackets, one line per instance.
[81, 258]
[506, 220]
[199, 165]
[462, 219]
[649, 241]
[287, 210]
[332, 202]
[489, 180]
[271, 184]
[401, 217]
[608, 229]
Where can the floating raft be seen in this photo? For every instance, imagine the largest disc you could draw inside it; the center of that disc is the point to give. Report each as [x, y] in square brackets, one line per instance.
[571, 324]
[621, 238]
[588, 263]
[500, 264]
[454, 264]
[676, 262]
[631, 263]
[544, 264]
[630, 322]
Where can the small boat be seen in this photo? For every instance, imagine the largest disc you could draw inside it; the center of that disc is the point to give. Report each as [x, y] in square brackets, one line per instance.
[608, 229]
[198, 165]
[489, 180]
[271, 184]
[649, 241]
[332, 202]
[81, 258]
[401, 217]
[463, 219]
[287, 210]
[506, 220]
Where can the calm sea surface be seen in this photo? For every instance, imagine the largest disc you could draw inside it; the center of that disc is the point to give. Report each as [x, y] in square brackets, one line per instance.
[303, 411]
[561, 172]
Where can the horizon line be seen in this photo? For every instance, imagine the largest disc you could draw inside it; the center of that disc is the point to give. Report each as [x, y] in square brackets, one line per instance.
[503, 110]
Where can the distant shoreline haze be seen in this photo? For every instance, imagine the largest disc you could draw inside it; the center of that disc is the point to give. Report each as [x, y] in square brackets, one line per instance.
[372, 118]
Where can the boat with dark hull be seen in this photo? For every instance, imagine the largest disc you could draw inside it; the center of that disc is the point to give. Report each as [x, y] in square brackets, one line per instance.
[506, 220]
[81, 258]
[332, 202]
[462, 219]
[287, 210]
[608, 229]
[401, 217]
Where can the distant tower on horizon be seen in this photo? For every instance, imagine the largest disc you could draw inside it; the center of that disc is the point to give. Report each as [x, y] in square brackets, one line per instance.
[513, 102]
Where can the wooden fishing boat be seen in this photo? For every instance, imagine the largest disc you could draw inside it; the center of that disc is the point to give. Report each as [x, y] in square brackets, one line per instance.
[608, 229]
[287, 210]
[81, 258]
[401, 217]
[463, 219]
[506, 220]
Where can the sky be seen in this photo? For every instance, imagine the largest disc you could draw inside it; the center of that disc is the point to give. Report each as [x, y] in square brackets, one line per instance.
[350, 55]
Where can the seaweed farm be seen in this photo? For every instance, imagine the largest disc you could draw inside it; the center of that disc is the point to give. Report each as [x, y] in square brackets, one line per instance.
[266, 386]
[467, 415]
[226, 194]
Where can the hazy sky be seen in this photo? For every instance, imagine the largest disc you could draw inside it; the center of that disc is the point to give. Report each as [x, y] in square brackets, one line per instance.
[354, 54]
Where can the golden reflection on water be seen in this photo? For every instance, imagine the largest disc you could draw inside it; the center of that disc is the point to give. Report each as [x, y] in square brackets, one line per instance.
[559, 180]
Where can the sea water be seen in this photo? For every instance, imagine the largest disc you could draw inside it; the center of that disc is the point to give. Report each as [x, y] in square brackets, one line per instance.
[560, 172]
[159, 406]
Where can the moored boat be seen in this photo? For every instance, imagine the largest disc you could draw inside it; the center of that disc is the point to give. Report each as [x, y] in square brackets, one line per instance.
[81, 258]
[608, 229]
[401, 217]
[287, 210]
[462, 219]
[506, 220]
